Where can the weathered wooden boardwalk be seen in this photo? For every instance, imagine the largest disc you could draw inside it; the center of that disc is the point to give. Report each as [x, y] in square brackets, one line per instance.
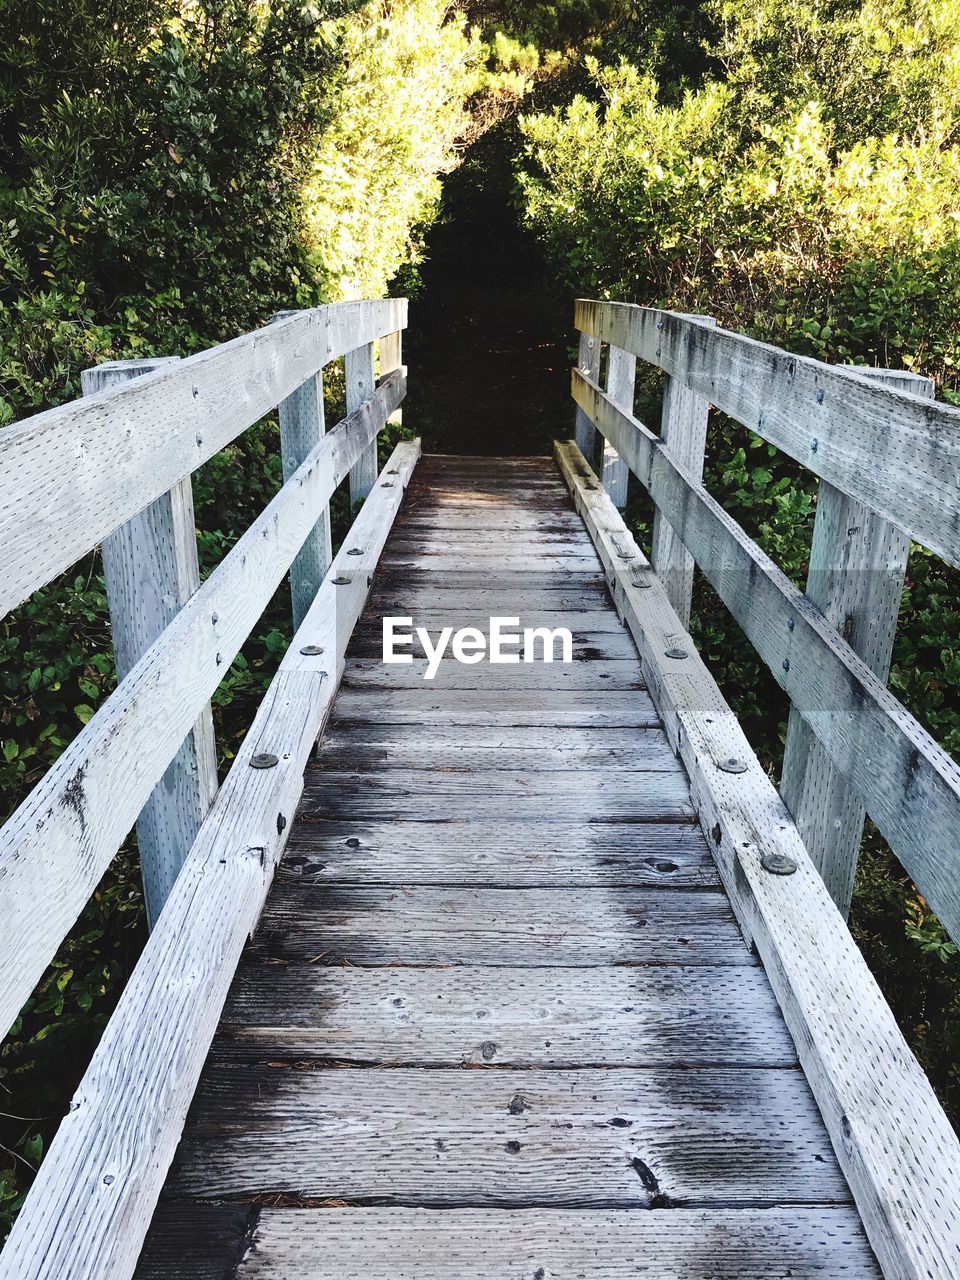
[497, 1018]
[523, 971]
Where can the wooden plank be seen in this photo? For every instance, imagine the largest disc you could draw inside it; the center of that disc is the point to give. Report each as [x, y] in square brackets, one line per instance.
[683, 429]
[451, 674]
[390, 360]
[909, 785]
[588, 359]
[551, 709]
[408, 590]
[302, 426]
[556, 1018]
[621, 376]
[858, 563]
[305, 923]
[649, 752]
[59, 842]
[480, 561]
[360, 379]
[151, 570]
[454, 609]
[896, 453]
[206, 1242]
[872, 1093]
[560, 524]
[89, 1209]
[501, 854]
[427, 795]
[444, 1137]
[71, 475]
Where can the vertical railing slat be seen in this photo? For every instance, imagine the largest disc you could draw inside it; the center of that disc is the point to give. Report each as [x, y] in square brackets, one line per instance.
[151, 570]
[683, 429]
[588, 362]
[360, 375]
[857, 566]
[621, 380]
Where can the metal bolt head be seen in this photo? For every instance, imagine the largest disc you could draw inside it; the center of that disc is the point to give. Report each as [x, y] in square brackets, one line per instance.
[341, 582]
[677, 653]
[387, 484]
[355, 551]
[311, 650]
[263, 760]
[642, 579]
[778, 864]
[732, 764]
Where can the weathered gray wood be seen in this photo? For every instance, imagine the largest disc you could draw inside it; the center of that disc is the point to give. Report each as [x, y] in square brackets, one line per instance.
[908, 783]
[444, 1138]
[518, 750]
[59, 842]
[151, 570]
[589, 361]
[89, 1209]
[522, 676]
[483, 561]
[501, 854]
[409, 591]
[872, 1093]
[858, 562]
[360, 377]
[683, 429]
[207, 1242]
[550, 708]
[897, 454]
[430, 795]
[621, 376]
[302, 426]
[457, 609]
[595, 927]
[390, 360]
[617, 1017]
[71, 475]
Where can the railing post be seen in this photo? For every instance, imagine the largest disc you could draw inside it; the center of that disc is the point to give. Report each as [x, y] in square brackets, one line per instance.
[621, 378]
[683, 429]
[588, 362]
[302, 427]
[360, 373]
[151, 570]
[857, 567]
[391, 358]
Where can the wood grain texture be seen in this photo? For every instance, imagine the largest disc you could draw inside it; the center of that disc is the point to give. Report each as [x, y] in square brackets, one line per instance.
[359, 370]
[89, 1208]
[616, 1017]
[71, 475]
[621, 377]
[302, 426]
[362, 673]
[402, 925]
[588, 359]
[896, 453]
[206, 1242]
[590, 642]
[907, 782]
[509, 1137]
[683, 429]
[502, 854]
[151, 569]
[858, 563]
[59, 842]
[549, 708]
[873, 1095]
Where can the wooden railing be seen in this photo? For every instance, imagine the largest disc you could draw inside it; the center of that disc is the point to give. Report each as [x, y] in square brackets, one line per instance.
[889, 463]
[115, 467]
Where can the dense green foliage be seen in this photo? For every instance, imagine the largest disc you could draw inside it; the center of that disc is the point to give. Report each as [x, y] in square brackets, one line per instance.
[802, 186]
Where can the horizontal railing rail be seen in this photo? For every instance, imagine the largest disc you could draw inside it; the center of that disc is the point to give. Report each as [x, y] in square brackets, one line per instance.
[896, 453]
[58, 844]
[71, 475]
[907, 783]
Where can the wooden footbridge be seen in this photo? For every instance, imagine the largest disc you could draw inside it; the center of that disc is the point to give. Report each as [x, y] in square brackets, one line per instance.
[527, 970]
